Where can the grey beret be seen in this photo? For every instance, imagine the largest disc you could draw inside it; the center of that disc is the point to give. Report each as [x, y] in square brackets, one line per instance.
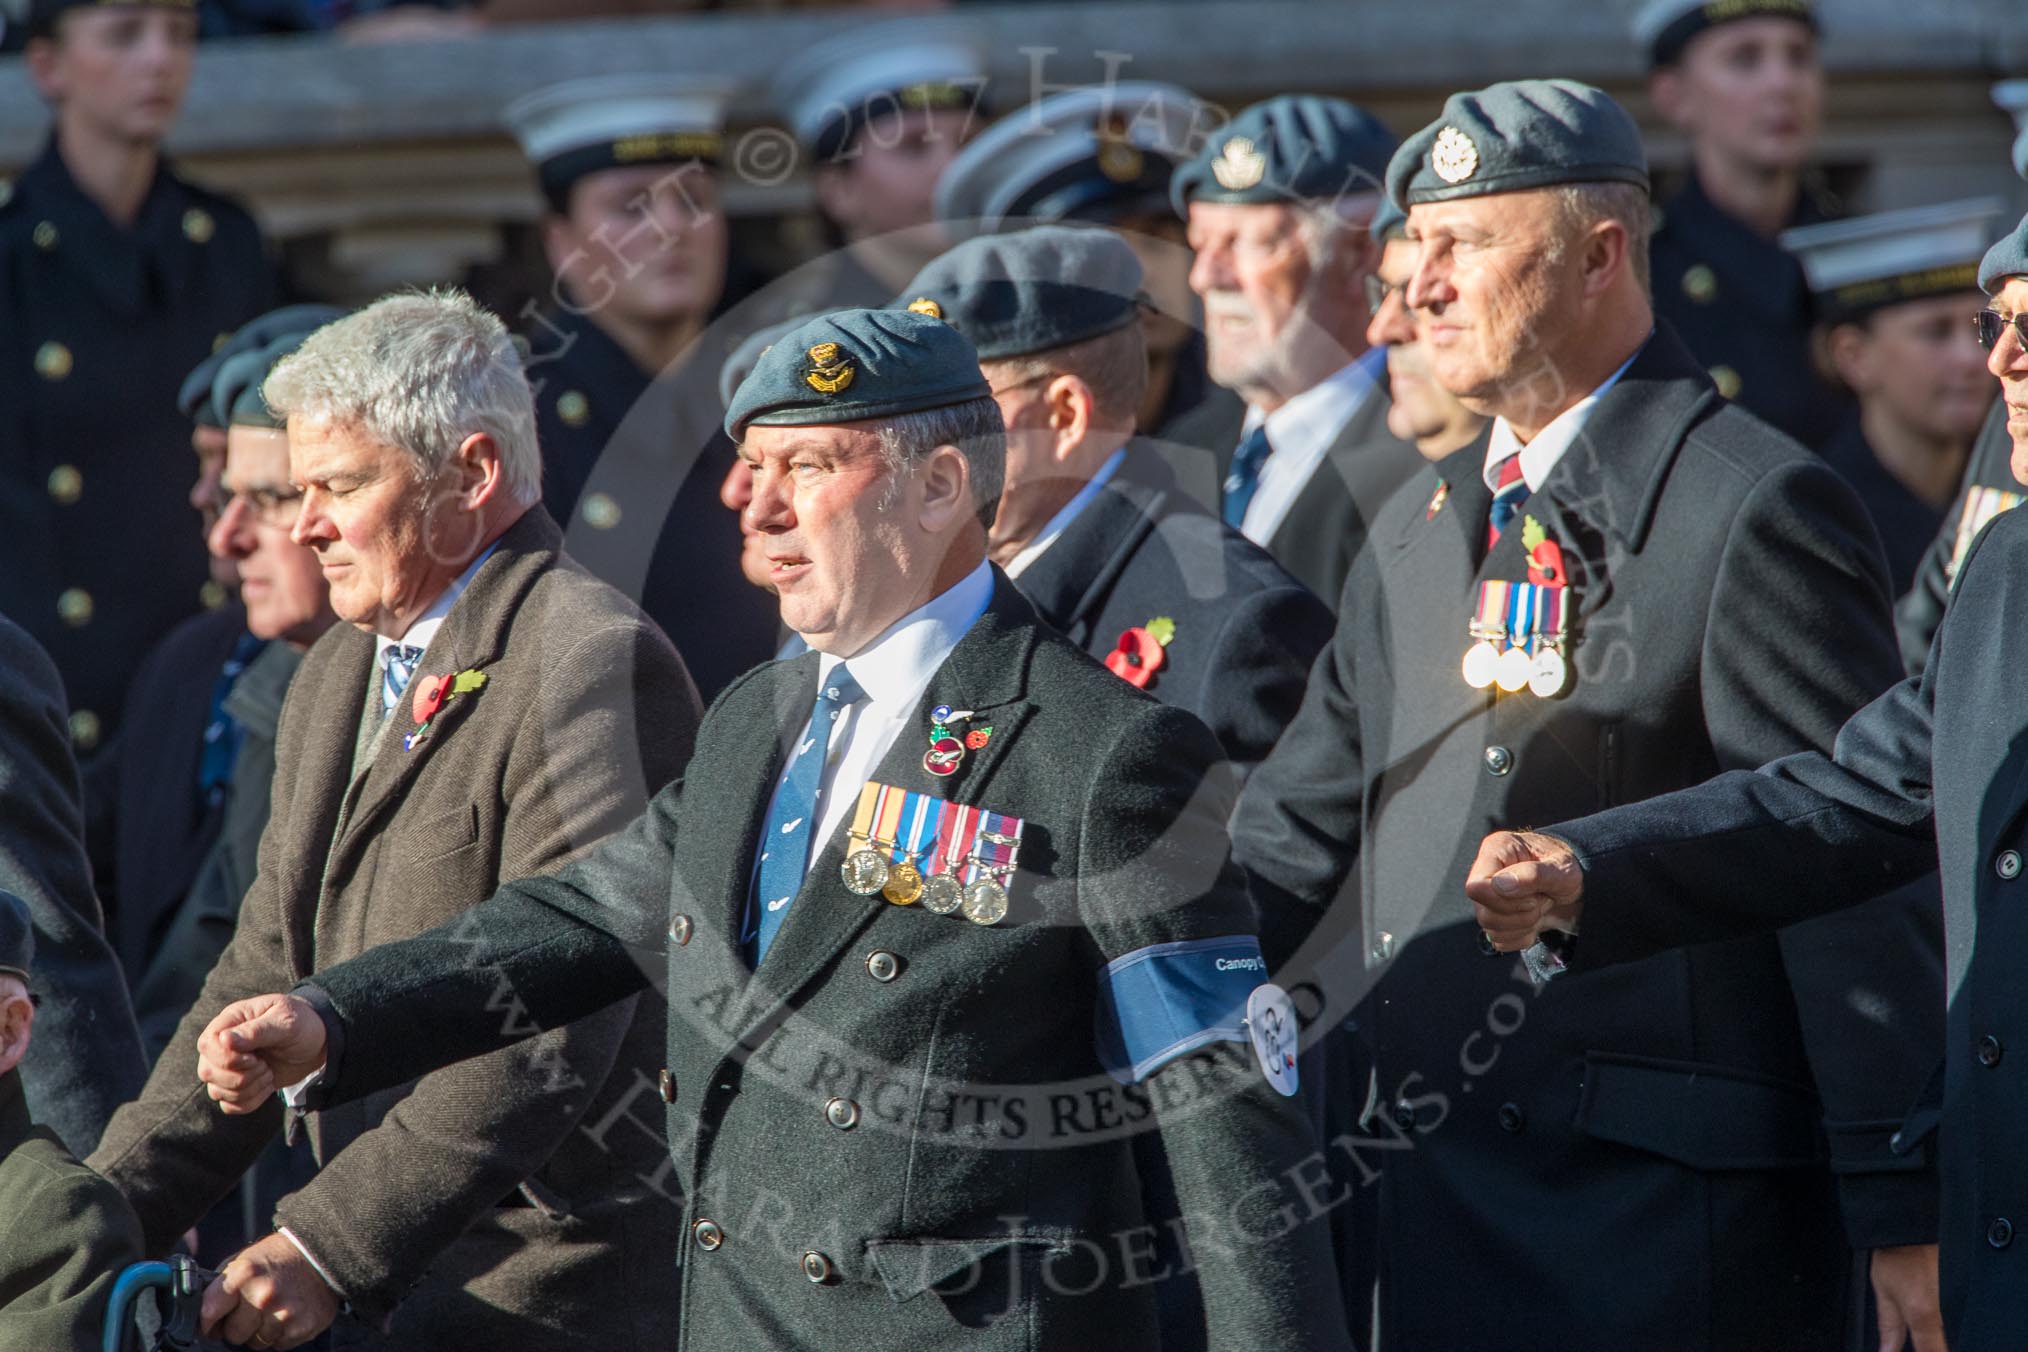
[1518, 135]
[17, 936]
[1032, 290]
[739, 363]
[194, 397]
[852, 365]
[1389, 220]
[1294, 147]
[2008, 258]
[236, 394]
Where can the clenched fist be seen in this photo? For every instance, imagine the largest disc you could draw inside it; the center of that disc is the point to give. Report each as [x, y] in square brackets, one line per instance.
[1522, 884]
[255, 1047]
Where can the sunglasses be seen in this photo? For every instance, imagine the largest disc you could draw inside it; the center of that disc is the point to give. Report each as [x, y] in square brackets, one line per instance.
[1990, 324]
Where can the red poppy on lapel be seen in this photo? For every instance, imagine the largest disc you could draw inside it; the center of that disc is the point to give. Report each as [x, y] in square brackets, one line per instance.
[428, 696]
[1137, 657]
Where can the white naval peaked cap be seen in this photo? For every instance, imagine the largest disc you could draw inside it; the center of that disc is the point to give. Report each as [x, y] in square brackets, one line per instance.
[829, 91]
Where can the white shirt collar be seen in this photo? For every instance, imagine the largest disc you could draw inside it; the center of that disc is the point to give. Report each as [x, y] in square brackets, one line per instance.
[425, 629]
[1301, 432]
[1066, 514]
[1539, 456]
[897, 666]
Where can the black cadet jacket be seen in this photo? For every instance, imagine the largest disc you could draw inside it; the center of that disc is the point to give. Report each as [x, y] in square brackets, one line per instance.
[1245, 631]
[1989, 488]
[639, 509]
[896, 1132]
[98, 327]
[1730, 605]
[1935, 769]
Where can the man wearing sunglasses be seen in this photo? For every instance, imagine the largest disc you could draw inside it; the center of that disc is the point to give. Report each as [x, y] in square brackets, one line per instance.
[1931, 773]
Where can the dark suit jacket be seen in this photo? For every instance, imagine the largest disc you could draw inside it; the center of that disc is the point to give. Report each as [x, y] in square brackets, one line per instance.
[632, 463]
[530, 1233]
[86, 1058]
[1246, 632]
[989, 1151]
[1731, 604]
[1918, 614]
[65, 1234]
[1935, 769]
[149, 832]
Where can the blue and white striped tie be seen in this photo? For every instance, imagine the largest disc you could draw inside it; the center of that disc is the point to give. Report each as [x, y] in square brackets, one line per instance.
[397, 668]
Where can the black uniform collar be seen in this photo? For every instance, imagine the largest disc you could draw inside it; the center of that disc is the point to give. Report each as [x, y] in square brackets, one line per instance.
[568, 349]
[1073, 575]
[1764, 275]
[133, 269]
[14, 1120]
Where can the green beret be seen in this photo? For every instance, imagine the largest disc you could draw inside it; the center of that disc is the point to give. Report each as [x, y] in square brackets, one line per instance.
[1031, 291]
[2008, 258]
[194, 397]
[852, 365]
[17, 936]
[237, 391]
[1295, 147]
[1518, 135]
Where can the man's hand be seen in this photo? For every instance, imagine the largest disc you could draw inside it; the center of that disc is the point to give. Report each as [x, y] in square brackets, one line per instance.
[1522, 883]
[256, 1047]
[268, 1296]
[1905, 1288]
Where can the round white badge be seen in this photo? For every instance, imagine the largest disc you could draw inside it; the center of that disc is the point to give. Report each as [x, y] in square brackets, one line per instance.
[1271, 1026]
[1481, 663]
[1551, 674]
[1514, 670]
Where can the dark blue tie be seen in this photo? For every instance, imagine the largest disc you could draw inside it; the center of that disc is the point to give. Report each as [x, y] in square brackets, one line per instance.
[222, 732]
[1244, 477]
[792, 818]
[397, 669]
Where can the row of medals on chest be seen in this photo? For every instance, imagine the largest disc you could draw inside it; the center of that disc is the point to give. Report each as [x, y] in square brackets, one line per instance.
[867, 869]
[1520, 629]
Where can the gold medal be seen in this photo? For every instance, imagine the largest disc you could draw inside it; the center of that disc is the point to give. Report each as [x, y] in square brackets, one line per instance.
[864, 872]
[1551, 673]
[904, 884]
[1482, 663]
[1514, 669]
[985, 902]
[942, 894]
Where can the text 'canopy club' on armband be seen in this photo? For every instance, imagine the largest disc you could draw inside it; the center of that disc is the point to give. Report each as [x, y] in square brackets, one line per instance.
[1167, 1000]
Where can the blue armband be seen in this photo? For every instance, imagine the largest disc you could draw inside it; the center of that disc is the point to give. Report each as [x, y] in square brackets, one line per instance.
[1159, 1002]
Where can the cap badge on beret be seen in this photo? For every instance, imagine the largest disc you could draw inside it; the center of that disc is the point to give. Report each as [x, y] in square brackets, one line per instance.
[1238, 166]
[832, 372]
[1119, 159]
[923, 305]
[1454, 157]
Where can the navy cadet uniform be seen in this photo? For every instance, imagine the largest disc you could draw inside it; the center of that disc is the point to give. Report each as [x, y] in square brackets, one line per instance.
[101, 323]
[1174, 601]
[1737, 299]
[632, 459]
[1932, 770]
[65, 1233]
[866, 1081]
[837, 95]
[1856, 269]
[1106, 155]
[1637, 1159]
[1989, 489]
[1294, 149]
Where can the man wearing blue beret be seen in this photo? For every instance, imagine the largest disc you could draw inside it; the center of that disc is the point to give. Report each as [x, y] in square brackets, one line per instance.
[948, 920]
[1278, 204]
[1932, 770]
[1626, 583]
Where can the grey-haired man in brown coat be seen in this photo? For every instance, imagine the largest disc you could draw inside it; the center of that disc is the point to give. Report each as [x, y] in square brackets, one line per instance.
[489, 709]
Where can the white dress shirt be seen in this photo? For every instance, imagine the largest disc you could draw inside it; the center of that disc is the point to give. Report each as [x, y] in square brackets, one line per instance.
[895, 670]
[1539, 456]
[425, 629]
[1066, 514]
[1299, 433]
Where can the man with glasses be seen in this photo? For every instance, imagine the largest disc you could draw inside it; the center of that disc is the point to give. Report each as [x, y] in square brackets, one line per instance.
[1931, 772]
[1419, 411]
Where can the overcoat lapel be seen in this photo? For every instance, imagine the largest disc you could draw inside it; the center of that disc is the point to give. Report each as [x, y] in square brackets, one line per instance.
[323, 759]
[1070, 582]
[987, 673]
